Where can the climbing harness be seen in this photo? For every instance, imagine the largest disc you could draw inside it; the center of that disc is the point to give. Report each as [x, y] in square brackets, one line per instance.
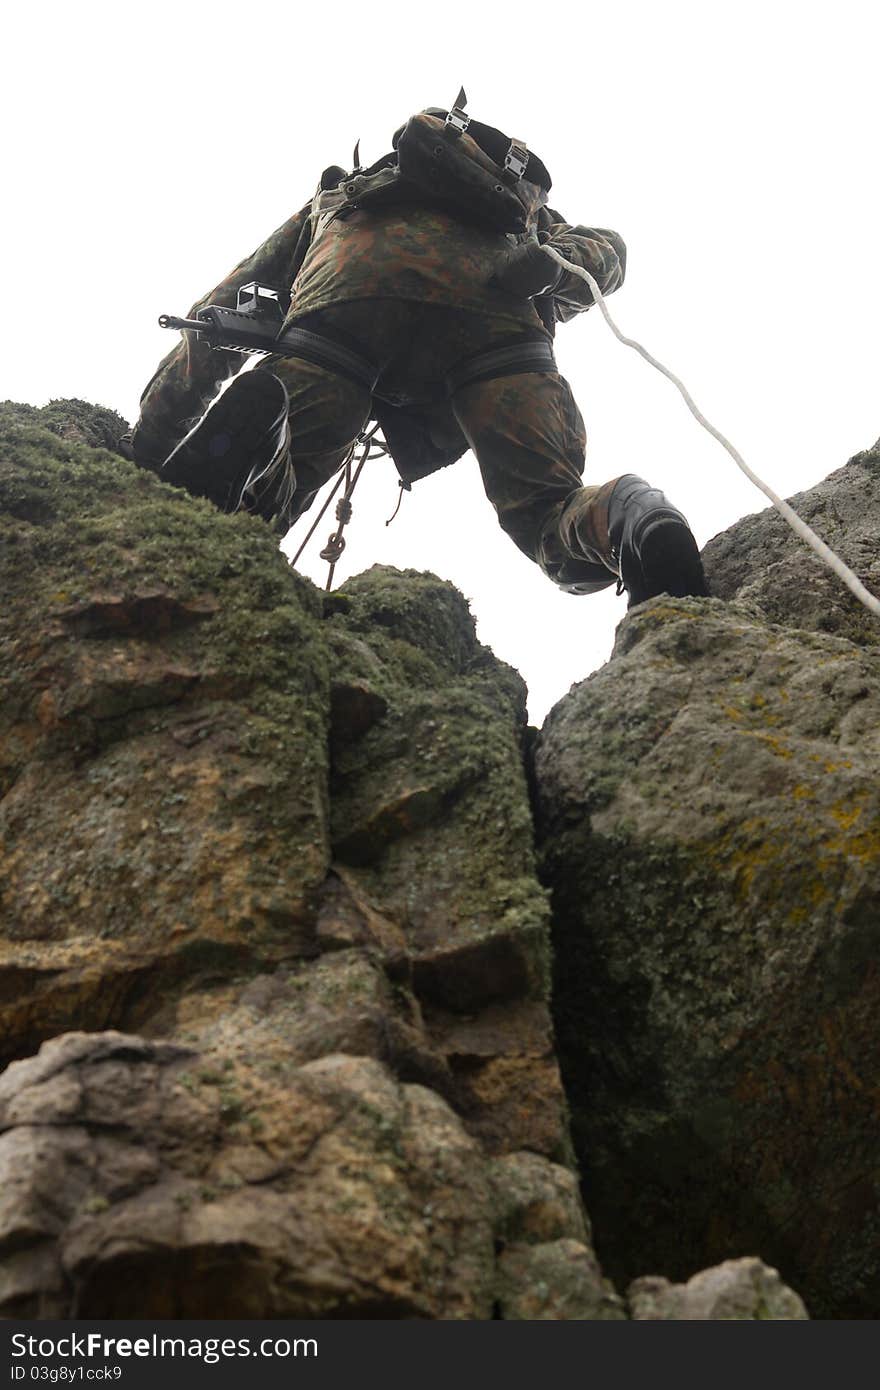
[525, 355]
[797, 523]
[326, 352]
[372, 447]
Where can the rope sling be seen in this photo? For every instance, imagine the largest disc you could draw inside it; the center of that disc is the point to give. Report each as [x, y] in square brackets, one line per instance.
[372, 447]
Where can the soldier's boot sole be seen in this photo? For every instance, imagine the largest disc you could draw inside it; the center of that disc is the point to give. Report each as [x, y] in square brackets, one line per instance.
[652, 544]
[668, 560]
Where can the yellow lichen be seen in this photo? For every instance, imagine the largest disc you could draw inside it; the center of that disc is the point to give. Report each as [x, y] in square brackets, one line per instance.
[845, 815]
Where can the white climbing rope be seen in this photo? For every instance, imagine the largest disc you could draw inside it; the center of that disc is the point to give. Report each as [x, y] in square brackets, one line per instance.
[797, 524]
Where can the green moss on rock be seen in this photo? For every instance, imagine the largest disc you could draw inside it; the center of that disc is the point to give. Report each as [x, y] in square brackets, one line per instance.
[710, 841]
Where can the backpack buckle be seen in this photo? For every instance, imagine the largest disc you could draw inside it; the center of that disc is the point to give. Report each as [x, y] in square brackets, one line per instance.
[516, 159]
[457, 120]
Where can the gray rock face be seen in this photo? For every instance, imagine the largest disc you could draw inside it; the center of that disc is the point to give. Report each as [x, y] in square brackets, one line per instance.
[430, 823]
[760, 560]
[139, 1181]
[738, 1290]
[276, 856]
[546, 1266]
[558, 1281]
[271, 923]
[163, 743]
[710, 813]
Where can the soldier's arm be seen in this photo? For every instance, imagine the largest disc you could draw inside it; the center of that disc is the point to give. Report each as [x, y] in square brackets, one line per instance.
[596, 249]
[187, 380]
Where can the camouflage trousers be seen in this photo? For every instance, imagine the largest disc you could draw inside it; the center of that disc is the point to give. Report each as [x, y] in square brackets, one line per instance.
[525, 431]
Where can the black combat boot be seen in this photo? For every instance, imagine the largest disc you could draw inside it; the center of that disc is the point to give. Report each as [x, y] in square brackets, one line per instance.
[652, 544]
[238, 454]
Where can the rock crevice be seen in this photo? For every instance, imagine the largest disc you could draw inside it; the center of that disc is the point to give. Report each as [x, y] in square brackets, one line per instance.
[710, 827]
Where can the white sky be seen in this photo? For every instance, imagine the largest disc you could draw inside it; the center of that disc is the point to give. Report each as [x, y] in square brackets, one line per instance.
[734, 147]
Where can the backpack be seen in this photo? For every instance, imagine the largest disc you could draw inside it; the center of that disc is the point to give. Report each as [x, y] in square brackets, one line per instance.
[454, 166]
[445, 161]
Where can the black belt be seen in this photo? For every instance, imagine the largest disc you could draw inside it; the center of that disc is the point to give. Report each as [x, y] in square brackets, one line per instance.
[515, 358]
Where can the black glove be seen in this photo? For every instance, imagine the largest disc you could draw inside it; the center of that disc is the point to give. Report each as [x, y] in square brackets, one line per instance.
[526, 271]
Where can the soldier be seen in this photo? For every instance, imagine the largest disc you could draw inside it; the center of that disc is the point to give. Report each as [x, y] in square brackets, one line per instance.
[420, 297]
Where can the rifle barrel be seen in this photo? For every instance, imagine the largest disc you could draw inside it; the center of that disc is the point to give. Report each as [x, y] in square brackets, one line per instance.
[171, 321]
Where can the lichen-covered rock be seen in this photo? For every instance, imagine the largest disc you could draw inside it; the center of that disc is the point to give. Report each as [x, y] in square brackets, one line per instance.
[283, 842]
[710, 807]
[559, 1281]
[536, 1201]
[546, 1265]
[737, 1290]
[138, 1180]
[431, 825]
[286, 841]
[761, 561]
[431, 792]
[164, 702]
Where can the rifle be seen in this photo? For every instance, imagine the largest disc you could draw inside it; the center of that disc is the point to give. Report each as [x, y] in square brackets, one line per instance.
[254, 326]
[251, 327]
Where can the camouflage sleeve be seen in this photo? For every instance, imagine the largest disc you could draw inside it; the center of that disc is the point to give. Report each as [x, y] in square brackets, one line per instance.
[187, 379]
[596, 249]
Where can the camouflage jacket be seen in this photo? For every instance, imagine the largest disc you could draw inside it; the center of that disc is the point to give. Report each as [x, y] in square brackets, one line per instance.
[374, 234]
